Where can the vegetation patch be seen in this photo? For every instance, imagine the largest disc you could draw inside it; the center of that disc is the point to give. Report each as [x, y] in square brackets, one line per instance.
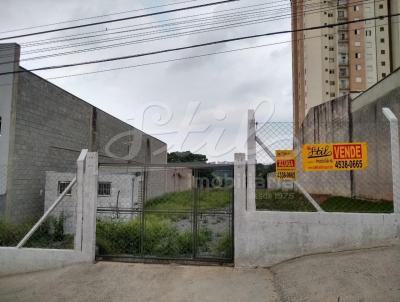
[354, 205]
[208, 199]
[49, 235]
[160, 238]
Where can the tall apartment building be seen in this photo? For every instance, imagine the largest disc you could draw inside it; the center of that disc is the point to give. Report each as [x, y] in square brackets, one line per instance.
[341, 60]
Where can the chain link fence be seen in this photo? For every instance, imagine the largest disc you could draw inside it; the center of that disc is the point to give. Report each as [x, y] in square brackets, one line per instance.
[57, 231]
[366, 190]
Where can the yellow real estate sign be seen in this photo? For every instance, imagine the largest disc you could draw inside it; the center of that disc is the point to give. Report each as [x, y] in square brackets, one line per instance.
[285, 164]
[334, 157]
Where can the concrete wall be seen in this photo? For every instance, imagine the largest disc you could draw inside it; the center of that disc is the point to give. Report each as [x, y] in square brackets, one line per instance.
[264, 238]
[267, 238]
[326, 123]
[8, 53]
[357, 120]
[15, 261]
[51, 127]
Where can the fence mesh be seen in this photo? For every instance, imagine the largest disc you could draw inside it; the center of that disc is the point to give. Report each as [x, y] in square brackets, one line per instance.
[28, 205]
[165, 212]
[368, 190]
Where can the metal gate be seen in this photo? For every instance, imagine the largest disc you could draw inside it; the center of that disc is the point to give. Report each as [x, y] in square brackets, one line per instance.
[180, 212]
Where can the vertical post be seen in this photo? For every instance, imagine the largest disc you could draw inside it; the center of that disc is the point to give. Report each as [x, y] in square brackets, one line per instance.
[239, 212]
[79, 203]
[395, 152]
[90, 183]
[251, 162]
[239, 180]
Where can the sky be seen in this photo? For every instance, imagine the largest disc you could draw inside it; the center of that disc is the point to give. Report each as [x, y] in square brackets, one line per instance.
[197, 104]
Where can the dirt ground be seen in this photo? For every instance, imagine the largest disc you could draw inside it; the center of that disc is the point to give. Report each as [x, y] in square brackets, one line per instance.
[368, 275]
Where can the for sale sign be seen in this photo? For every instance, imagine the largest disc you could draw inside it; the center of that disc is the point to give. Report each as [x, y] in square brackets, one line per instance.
[285, 164]
[334, 157]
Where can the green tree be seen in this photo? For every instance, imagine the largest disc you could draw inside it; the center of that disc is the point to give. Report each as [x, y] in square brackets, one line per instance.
[186, 157]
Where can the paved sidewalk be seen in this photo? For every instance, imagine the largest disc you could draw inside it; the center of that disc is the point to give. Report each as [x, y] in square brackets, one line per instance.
[368, 275]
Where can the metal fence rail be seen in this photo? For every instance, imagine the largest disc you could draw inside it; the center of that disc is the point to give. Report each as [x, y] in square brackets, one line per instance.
[166, 212]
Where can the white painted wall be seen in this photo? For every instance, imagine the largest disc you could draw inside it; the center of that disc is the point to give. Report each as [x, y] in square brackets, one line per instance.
[264, 238]
[8, 53]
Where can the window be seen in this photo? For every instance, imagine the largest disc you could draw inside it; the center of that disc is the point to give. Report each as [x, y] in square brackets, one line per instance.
[358, 67]
[357, 32]
[383, 52]
[330, 37]
[382, 40]
[333, 94]
[383, 63]
[332, 48]
[380, 6]
[0, 125]
[368, 33]
[382, 29]
[104, 189]
[356, 8]
[332, 83]
[383, 75]
[332, 71]
[357, 44]
[358, 80]
[330, 15]
[358, 55]
[62, 185]
[341, 14]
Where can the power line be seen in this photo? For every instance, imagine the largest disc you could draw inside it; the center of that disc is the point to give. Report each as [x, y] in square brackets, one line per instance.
[252, 22]
[96, 17]
[190, 57]
[57, 39]
[199, 45]
[118, 20]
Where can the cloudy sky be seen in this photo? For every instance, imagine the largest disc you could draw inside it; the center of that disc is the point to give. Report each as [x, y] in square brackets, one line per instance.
[197, 104]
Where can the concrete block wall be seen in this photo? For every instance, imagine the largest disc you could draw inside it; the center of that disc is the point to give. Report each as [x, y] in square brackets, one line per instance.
[358, 120]
[327, 123]
[51, 128]
[370, 125]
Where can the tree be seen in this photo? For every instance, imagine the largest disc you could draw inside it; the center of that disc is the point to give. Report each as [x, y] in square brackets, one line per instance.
[186, 157]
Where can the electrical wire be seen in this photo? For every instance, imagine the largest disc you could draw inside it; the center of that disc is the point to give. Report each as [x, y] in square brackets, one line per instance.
[113, 59]
[118, 20]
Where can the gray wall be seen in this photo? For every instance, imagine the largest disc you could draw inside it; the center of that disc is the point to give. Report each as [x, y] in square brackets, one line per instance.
[51, 127]
[327, 123]
[358, 120]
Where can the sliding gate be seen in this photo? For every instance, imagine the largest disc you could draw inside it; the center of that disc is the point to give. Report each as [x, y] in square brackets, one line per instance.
[165, 213]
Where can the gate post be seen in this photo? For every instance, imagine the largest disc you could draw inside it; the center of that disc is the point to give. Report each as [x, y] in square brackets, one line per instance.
[395, 153]
[90, 183]
[79, 203]
[251, 162]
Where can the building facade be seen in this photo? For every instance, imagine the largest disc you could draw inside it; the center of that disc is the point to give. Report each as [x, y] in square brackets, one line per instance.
[343, 59]
[44, 128]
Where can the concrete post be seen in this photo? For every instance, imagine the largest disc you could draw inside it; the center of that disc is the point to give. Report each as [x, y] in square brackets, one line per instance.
[251, 162]
[81, 162]
[240, 183]
[239, 202]
[395, 152]
[90, 183]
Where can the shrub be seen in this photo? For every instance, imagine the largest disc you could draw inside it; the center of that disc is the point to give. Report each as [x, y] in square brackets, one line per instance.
[161, 238]
[224, 246]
